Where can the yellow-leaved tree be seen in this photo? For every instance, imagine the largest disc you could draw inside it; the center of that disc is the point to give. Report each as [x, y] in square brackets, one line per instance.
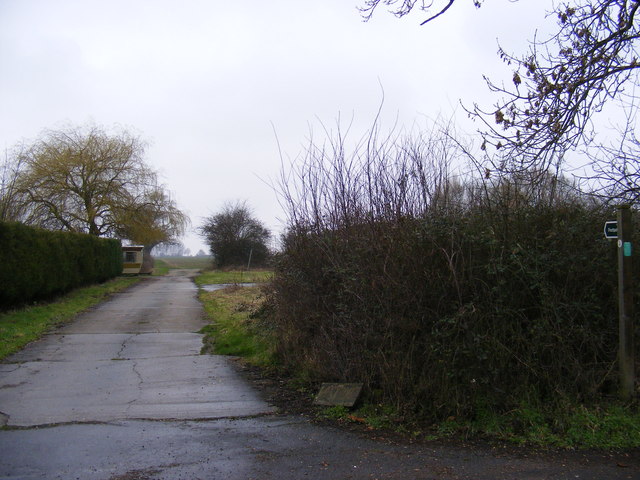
[86, 179]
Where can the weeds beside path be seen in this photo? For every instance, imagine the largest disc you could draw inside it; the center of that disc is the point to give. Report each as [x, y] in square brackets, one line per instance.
[234, 327]
[233, 277]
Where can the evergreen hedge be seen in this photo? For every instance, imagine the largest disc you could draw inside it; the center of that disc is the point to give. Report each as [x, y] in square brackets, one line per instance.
[37, 264]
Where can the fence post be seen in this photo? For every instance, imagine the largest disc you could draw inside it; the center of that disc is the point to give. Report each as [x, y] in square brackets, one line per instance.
[625, 302]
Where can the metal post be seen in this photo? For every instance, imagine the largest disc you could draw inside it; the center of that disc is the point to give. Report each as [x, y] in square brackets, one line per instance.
[625, 303]
[249, 262]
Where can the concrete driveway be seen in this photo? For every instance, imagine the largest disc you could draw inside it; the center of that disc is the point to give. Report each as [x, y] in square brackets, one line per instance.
[123, 394]
[136, 356]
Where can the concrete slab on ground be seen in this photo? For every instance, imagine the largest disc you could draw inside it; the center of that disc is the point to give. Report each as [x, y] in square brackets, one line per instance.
[136, 356]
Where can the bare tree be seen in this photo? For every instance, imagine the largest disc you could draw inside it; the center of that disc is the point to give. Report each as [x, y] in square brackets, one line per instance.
[562, 83]
[615, 168]
[433, 8]
[557, 89]
[171, 249]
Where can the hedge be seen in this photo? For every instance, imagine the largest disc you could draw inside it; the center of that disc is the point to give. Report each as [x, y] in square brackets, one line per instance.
[447, 292]
[447, 315]
[36, 264]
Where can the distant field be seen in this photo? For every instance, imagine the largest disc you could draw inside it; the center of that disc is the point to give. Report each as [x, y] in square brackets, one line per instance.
[164, 264]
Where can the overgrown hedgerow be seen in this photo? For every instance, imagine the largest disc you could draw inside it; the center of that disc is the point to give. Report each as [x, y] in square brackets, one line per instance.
[476, 298]
[439, 315]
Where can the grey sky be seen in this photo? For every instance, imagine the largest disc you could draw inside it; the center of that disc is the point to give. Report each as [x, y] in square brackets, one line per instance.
[204, 80]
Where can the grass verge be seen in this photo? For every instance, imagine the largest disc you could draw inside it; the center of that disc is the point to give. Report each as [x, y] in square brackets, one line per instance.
[234, 276]
[234, 328]
[21, 326]
[160, 267]
[610, 426]
[613, 427]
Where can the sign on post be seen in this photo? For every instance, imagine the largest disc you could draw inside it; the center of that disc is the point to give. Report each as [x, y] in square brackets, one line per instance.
[625, 302]
[611, 229]
[621, 230]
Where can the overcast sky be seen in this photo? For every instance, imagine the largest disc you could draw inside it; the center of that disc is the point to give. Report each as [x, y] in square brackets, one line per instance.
[206, 82]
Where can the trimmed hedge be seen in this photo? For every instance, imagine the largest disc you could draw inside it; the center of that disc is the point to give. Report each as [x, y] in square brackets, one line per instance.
[37, 264]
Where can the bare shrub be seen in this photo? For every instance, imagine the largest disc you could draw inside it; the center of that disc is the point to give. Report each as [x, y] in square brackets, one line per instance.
[442, 292]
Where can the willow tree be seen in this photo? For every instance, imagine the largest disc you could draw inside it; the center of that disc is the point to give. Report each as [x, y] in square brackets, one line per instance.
[11, 208]
[79, 179]
[86, 179]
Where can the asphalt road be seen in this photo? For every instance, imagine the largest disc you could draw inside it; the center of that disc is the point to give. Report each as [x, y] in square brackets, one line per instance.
[123, 394]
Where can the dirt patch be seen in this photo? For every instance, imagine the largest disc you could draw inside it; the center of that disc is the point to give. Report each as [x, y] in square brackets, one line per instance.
[276, 389]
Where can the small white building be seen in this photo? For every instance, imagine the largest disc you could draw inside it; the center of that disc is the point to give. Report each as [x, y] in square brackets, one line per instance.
[132, 259]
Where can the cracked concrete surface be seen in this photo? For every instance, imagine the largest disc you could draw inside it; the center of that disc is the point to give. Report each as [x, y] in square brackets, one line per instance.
[136, 356]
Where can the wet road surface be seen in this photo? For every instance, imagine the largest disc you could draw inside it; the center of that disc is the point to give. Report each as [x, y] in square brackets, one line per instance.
[134, 357]
[123, 394]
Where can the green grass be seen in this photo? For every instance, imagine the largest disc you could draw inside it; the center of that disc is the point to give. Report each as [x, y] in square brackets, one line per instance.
[234, 276]
[160, 267]
[19, 327]
[605, 427]
[337, 412]
[613, 427]
[373, 416]
[234, 328]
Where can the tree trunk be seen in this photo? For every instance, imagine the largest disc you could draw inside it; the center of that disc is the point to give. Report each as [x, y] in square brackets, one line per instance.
[147, 260]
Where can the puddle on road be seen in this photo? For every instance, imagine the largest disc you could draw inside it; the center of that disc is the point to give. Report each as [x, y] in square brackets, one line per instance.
[220, 286]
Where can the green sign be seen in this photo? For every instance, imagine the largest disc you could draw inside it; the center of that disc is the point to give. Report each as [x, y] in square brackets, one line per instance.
[611, 229]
